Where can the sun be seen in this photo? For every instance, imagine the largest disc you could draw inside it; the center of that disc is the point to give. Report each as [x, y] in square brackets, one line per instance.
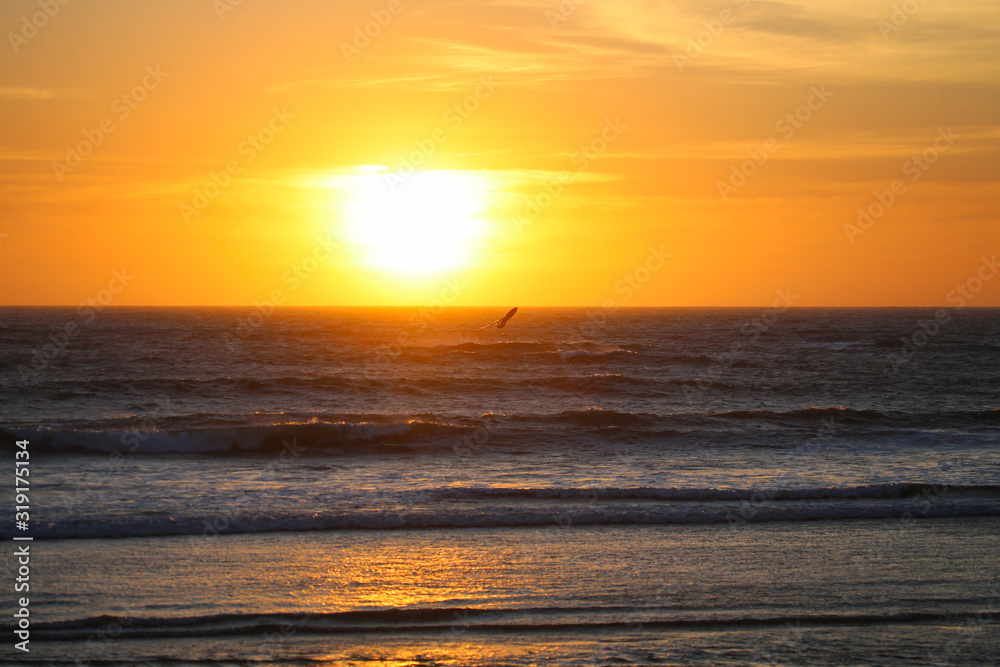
[426, 222]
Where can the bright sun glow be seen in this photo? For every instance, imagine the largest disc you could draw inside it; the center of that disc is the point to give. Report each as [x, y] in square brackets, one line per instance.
[427, 222]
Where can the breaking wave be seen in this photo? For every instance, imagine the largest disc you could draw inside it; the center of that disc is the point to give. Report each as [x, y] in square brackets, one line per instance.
[555, 508]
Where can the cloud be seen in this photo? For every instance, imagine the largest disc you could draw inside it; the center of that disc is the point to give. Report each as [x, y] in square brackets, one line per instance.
[28, 93]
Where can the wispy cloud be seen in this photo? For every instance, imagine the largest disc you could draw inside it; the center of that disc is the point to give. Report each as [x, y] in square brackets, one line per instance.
[28, 93]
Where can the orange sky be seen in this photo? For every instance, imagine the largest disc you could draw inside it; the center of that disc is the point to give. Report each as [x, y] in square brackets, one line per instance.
[569, 153]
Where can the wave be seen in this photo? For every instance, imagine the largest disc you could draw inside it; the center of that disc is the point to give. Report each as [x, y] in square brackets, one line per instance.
[227, 387]
[503, 347]
[812, 413]
[521, 346]
[810, 417]
[843, 415]
[577, 356]
[358, 433]
[562, 352]
[599, 417]
[313, 435]
[589, 507]
[211, 386]
[442, 619]
[870, 491]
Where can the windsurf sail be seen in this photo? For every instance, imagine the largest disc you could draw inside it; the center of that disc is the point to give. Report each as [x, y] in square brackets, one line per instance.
[500, 323]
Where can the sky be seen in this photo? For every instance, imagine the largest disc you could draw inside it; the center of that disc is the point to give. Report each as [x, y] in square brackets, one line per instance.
[499, 152]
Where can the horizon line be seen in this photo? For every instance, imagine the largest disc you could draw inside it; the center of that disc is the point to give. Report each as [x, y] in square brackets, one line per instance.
[595, 307]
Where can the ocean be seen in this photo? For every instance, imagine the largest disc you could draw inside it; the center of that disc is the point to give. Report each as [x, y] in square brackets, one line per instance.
[396, 486]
